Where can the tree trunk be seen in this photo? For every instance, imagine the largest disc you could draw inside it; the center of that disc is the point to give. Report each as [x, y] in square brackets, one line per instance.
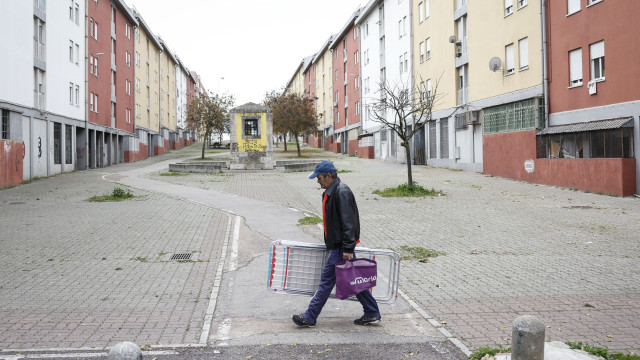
[298, 145]
[204, 144]
[285, 141]
[408, 152]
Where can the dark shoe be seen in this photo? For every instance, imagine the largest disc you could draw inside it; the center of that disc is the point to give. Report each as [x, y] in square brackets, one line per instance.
[301, 321]
[365, 320]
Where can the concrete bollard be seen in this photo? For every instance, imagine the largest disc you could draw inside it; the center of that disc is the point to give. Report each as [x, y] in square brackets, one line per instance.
[125, 351]
[527, 339]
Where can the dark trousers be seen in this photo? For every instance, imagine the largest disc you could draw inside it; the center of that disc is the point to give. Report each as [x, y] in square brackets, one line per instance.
[327, 282]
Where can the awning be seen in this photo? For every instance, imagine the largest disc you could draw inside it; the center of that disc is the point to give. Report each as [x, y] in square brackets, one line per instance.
[589, 126]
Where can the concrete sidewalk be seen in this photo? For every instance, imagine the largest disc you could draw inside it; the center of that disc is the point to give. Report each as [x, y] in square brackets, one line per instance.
[80, 274]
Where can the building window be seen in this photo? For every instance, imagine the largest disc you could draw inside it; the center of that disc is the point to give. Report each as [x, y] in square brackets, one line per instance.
[400, 28]
[508, 7]
[444, 138]
[510, 59]
[127, 30]
[406, 62]
[422, 51]
[428, 43]
[611, 143]
[401, 64]
[95, 67]
[91, 107]
[57, 146]
[95, 30]
[423, 91]
[250, 128]
[591, 2]
[127, 56]
[77, 11]
[68, 144]
[523, 52]
[70, 93]
[91, 27]
[426, 9]
[421, 11]
[77, 95]
[596, 51]
[77, 54]
[71, 51]
[5, 124]
[95, 107]
[573, 6]
[71, 10]
[128, 116]
[429, 89]
[521, 4]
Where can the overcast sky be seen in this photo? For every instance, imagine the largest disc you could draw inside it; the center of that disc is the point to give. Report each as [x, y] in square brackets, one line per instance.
[245, 48]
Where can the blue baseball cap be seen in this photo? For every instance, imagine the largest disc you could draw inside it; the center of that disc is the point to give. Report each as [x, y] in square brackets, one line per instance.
[324, 167]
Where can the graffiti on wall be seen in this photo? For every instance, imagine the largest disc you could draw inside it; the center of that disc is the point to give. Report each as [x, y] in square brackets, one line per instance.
[39, 147]
[253, 145]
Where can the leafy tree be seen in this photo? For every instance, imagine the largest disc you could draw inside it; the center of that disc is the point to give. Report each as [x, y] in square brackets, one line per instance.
[292, 113]
[405, 111]
[207, 114]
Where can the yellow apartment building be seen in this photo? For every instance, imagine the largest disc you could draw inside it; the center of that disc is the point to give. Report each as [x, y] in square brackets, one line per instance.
[168, 104]
[147, 87]
[323, 65]
[482, 60]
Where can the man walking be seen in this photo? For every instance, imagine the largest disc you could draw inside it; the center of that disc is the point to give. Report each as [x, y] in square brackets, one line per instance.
[341, 234]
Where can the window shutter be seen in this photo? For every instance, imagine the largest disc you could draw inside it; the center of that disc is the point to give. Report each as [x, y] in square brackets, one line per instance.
[597, 50]
[575, 65]
[510, 58]
[524, 52]
[573, 6]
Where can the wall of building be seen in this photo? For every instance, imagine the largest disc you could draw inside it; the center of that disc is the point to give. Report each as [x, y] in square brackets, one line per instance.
[101, 84]
[17, 27]
[440, 67]
[11, 155]
[124, 72]
[611, 21]
[487, 21]
[513, 155]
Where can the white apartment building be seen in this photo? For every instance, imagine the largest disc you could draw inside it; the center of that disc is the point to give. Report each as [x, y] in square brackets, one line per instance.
[42, 92]
[385, 46]
[181, 95]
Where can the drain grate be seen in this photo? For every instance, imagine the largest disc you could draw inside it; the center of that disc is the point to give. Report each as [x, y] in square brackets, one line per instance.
[183, 256]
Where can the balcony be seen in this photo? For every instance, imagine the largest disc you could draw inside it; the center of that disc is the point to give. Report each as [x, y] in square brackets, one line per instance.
[39, 100]
[40, 9]
[463, 95]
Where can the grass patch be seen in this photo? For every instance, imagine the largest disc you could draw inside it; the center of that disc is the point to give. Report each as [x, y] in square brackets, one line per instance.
[406, 190]
[602, 352]
[173, 173]
[418, 252]
[310, 220]
[486, 350]
[344, 171]
[118, 194]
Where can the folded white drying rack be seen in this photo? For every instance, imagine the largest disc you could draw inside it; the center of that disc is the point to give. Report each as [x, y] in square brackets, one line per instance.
[295, 268]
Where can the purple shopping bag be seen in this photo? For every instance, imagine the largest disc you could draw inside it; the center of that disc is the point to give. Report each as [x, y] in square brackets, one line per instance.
[355, 276]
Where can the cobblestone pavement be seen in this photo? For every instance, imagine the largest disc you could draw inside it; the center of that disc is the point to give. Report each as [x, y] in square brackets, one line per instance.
[81, 274]
[510, 248]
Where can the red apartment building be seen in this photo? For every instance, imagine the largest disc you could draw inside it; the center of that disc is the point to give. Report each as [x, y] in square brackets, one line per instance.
[592, 138]
[346, 87]
[310, 92]
[110, 80]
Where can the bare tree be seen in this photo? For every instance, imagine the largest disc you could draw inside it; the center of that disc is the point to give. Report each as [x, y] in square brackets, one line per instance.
[292, 113]
[404, 110]
[208, 113]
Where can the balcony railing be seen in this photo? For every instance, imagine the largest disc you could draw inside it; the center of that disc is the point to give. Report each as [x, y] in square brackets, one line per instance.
[39, 50]
[39, 100]
[40, 5]
[463, 95]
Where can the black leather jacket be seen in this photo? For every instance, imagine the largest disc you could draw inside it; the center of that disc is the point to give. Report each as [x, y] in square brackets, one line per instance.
[341, 218]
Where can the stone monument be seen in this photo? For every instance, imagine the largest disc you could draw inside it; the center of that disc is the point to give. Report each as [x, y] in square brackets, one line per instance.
[251, 140]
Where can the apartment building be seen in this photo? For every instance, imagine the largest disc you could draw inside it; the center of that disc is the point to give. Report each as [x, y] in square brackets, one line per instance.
[110, 80]
[147, 88]
[42, 93]
[592, 135]
[323, 69]
[386, 57]
[346, 86]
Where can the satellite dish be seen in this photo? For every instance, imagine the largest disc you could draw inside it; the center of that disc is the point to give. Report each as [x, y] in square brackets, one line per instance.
[452, 39]
[494, 64]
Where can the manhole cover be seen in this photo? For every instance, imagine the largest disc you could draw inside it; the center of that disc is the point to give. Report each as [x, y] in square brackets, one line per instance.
[182, 256]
